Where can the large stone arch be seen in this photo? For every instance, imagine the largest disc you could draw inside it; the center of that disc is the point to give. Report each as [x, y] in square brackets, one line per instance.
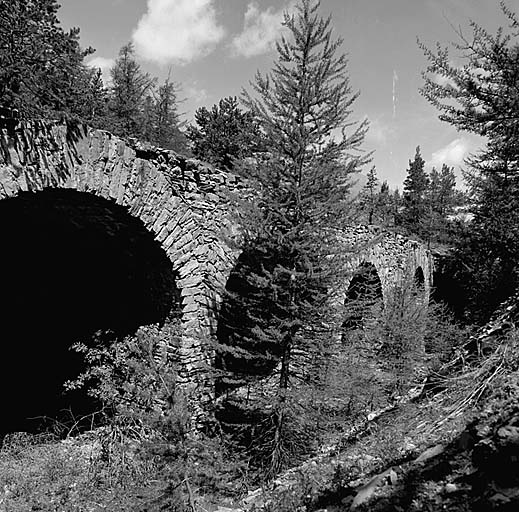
[76, 268]
[183, 202]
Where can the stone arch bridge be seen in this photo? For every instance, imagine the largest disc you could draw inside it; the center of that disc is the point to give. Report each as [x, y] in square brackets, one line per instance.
[64, 185]
[394, 257]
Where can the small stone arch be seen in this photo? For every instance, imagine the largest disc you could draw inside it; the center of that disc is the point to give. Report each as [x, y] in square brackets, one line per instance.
[419, 278]
[364, 293]
[395, 257]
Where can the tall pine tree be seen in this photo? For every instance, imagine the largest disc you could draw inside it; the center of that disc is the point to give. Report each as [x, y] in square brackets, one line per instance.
[303, 178]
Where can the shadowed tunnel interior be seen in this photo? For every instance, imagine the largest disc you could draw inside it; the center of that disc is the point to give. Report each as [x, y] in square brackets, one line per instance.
[364, 293]
[419, 279]
[246, 306]
[72, 264]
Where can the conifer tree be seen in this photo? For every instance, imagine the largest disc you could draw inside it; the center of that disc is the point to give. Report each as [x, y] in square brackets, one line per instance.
[94, 106]
[415, 188]
[130, 88]
[385, 205]
[163, 127]
[225, 134]
[439, 202]
[482, 97]
[369, 194]
[302, 181]
[396, 207]
[41, 66]
[447, 197]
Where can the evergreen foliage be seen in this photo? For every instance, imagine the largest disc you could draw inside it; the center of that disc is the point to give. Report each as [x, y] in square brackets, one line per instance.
[225, 134]
[482, 97]
[370, 196]
[134, 106]
[94, 109]
[43, 75]
[129, 91]
[41, 66]
[303, 181]
[162, 126]
[440, 199]
[415, 189]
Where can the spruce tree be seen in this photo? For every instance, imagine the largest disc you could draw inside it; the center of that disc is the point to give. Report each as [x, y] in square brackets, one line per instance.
[312, 148]
[415, 189]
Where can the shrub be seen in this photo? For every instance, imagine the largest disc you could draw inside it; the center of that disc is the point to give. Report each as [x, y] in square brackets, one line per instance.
[150, 418]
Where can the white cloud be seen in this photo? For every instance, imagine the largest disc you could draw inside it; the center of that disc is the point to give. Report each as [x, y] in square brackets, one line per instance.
[177, 31]
[260, 31]
[452, 154]
[104, 65]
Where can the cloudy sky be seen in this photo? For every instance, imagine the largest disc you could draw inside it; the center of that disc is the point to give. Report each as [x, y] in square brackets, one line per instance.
[213, 48]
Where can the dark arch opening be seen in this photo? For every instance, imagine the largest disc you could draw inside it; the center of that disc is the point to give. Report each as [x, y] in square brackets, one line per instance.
[72, 264]
[364, 293]
[419, 279]
[243, 354]
[257, 301]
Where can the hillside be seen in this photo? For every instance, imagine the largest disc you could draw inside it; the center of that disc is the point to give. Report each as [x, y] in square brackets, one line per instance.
[451, 443]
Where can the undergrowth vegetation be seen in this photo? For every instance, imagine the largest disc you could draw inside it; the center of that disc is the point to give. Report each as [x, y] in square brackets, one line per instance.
[150, 451]
[145, 456]
[466, 434]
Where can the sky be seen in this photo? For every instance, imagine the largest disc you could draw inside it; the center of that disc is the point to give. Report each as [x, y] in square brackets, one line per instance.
[213, 48]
